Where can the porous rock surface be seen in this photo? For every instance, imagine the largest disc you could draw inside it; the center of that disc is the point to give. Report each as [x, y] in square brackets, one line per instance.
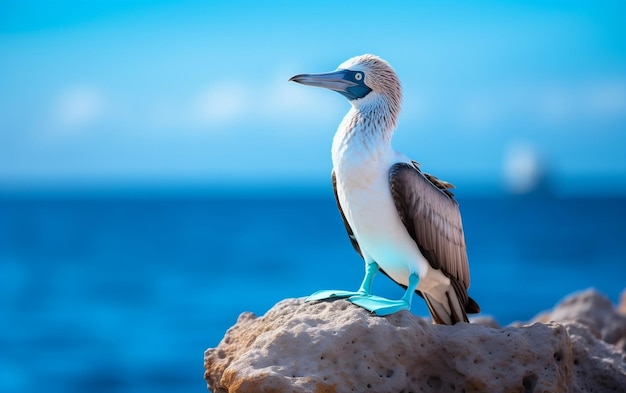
[334, 346]
[593, 310]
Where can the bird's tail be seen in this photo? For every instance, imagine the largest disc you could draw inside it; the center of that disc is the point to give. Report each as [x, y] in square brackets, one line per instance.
[454, 307]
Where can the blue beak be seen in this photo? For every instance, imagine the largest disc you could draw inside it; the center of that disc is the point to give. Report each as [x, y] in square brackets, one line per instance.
[349, 83]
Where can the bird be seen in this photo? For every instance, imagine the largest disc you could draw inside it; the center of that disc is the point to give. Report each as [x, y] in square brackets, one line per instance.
[403, 222]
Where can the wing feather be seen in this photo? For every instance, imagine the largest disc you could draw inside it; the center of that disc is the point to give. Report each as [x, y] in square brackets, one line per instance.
[431, 216]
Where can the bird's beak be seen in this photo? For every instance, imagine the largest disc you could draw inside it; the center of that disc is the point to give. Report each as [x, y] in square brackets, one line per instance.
[337, 80]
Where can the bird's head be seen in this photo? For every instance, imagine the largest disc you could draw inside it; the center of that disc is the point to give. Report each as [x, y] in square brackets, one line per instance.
[361, 80]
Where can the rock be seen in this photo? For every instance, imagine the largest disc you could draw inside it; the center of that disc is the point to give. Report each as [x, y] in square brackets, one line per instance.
[597, 365]
[334, 346]
[594, 310]
[621, 309]
[488, 321]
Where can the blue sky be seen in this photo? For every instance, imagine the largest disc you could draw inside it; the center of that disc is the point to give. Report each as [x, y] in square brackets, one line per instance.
[175, 93]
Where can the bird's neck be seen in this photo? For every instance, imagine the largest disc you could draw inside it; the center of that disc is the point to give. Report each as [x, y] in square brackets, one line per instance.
[364, 134]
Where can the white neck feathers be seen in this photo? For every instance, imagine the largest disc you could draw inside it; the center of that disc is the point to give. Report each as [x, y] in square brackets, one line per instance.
[366, 129]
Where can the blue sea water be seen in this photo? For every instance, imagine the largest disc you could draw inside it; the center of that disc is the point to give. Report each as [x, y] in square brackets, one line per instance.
[123, 293]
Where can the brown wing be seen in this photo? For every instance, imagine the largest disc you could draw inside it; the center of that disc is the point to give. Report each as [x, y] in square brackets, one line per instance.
[432, 218]
[355, 244]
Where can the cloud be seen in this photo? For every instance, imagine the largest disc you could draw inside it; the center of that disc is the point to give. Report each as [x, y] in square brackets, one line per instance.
[553, 105]
[597, 100]
[78, 107]
[220, 104]
[276, 102]
[606, 98]
[282, 106]
[541, 104]
[479, 111]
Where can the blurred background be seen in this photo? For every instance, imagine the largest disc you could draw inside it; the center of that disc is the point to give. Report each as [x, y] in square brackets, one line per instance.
[159, 175]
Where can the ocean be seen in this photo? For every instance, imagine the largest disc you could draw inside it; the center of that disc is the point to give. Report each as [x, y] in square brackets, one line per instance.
[124, 292]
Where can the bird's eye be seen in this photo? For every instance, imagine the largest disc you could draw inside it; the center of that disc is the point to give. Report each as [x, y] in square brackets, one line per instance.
[358, 76]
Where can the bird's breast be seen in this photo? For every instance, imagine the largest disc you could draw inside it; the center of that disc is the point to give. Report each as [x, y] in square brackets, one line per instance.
[366, 200]
[362, 183]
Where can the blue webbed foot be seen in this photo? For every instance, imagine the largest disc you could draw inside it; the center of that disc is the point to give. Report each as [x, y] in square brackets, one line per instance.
[379, 305]
[370, 271]
[331, 294]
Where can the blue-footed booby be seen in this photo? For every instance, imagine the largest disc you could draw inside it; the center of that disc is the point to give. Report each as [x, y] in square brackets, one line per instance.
[401, 221]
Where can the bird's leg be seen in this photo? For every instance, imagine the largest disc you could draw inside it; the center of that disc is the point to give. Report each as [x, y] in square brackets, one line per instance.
[381, 306]
[371, 268]
[370, 272]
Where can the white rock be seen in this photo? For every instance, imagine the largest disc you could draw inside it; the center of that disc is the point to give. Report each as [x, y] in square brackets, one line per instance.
[334, 346]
